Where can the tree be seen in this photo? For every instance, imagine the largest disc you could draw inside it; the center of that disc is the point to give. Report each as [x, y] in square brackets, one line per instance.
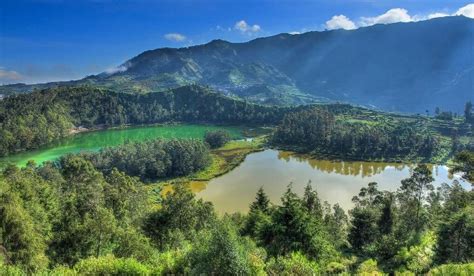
[413, 193]
[217, 138]
[220, 251]
[261, 203]
[456, 237]
[294, 229]
[259, 215]
[468, 112]
[464, 163]
[311, 202]
[180, 218]
[364, 218]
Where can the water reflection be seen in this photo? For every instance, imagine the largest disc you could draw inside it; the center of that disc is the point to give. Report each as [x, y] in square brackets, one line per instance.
[354, 168]
[336, 181]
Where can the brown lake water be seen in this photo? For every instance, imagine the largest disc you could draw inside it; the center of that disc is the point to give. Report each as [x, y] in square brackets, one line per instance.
[335, 181]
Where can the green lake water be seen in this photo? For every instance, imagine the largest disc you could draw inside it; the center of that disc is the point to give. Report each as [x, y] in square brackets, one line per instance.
[95, 140]
[336, 181]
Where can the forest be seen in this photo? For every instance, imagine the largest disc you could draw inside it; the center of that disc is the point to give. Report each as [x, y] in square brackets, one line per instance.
[152, 160]
[32, 120]
[101, 213]
[74, 217]
[317, 130]
[332, 130]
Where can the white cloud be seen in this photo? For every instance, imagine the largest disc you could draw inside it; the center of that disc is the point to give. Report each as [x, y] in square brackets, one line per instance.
[175, 37]
[113, 70]
[9, 76]
[294, 33]
[391, 16]
[245, 28]
[340, 22]
[467, 11]
[436, 15]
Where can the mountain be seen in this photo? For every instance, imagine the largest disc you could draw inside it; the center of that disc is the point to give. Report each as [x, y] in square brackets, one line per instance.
[408, 67]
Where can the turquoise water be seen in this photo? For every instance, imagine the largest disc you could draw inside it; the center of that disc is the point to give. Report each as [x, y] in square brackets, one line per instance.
[95, 140]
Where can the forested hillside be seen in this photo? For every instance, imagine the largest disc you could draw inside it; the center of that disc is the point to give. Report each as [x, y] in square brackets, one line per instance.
[332, 130]
[30, 121]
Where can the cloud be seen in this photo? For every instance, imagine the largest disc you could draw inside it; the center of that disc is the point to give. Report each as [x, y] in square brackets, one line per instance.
[245, 28]
[340, 22]
[113, 70]
[467, 11]
[436, 15]
[9, 76]
[175, 37]
[391, 16]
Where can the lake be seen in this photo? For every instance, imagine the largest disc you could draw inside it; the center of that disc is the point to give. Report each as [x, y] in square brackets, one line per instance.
[335, 181]
[95, 140]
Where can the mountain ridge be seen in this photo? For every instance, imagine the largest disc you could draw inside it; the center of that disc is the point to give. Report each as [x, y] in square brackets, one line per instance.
[407, 67]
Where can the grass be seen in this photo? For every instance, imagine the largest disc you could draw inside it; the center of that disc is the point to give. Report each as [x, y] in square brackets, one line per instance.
[224, 159]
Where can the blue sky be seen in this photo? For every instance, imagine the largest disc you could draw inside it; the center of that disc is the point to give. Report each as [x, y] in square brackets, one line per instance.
[48, 40]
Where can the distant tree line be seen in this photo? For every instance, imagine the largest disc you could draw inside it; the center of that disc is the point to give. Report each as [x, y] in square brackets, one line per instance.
[318, 130]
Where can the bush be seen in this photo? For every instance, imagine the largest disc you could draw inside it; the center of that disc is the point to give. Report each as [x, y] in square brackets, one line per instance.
[368, 267]
[453, 269]
[419, 257]
[335, 268]
[294, 264]
[217, 138]
[110, 265]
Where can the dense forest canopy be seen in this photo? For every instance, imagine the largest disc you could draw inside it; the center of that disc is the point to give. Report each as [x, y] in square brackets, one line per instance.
[71, 218]
[317, 130]
[29, 121]
[339, 130]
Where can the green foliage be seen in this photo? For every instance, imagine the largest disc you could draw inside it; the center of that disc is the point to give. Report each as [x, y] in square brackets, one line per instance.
[217, 138]
[318, 130]
[294, 228]
[418, 258]
[368, 267]
[181, 217]
[30, 121]
[464, 163]
[453, 269]
[295, 263]
[456, 237]
[109, 265]
[154, 159]
[222, 251]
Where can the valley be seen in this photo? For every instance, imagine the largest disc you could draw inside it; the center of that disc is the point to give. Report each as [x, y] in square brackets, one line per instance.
[277, 144]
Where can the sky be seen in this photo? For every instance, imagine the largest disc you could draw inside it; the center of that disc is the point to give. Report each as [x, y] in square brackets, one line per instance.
[53, 40]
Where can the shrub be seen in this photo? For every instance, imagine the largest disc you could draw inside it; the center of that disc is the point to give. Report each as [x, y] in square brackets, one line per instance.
[453, 269]
[294, 264]
[217, 138]
[368, 267]
[335, 268]
[110, 265]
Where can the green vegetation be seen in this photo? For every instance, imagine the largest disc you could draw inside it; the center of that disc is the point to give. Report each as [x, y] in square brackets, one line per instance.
[30, 121]
[69, 218]
[153, 160]
[358, 134]
[217, 139]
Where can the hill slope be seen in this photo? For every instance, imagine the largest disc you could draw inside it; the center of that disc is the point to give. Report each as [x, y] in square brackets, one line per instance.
[407, 67]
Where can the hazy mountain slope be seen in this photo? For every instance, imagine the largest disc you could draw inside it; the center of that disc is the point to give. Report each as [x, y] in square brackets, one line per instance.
[401, 67]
